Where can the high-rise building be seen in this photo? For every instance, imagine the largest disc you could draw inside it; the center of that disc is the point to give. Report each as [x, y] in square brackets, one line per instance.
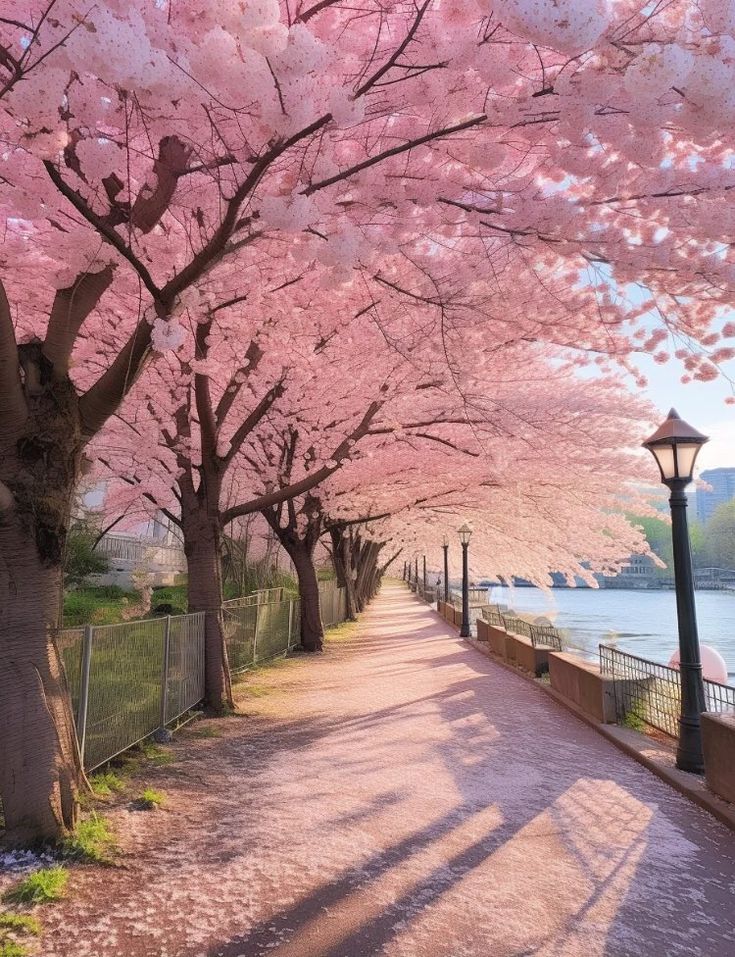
[722, 482]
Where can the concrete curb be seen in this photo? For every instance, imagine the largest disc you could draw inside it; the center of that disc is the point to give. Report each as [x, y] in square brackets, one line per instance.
[641, 748]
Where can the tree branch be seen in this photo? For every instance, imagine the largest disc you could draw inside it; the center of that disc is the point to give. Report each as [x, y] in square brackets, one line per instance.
[70, 309]
[13, 410]
[395, 151]
[253, 355]
[203, 397]
[151, 204]
[103, 228]
[247, 426]
[277, 496]
[390, 62]
[102, 399]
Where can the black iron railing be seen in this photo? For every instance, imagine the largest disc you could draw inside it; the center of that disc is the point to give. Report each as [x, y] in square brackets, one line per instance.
[546, 636]
[492, 615]
[650, 693]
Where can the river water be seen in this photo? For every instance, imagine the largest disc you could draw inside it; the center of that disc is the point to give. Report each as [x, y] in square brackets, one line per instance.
[638, 621]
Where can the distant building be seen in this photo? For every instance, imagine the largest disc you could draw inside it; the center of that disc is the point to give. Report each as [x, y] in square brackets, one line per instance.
[638, 572]
[722, 482]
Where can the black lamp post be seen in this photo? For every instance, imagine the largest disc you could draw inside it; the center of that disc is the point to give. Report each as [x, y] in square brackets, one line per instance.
[404, 571]
[416, 576]
[465, 533]
[675, 446]
[424, 579]
[445, 546]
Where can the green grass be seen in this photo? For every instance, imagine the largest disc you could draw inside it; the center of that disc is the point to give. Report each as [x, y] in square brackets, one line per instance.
[173, 597]
[92, 841]
[105, 783]
[97, 605]
[41, 887]
[150, 799]
[206, 731]
[342, 632]
[20, 924]
[9, 948]
[256, 691]
[156, 755]
[634, 721]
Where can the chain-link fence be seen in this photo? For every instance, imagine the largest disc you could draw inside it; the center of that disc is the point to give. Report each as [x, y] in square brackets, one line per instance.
[651, 692]
[127, 681]
[130, 679]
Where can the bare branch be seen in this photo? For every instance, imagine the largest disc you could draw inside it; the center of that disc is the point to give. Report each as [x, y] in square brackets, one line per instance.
[400, 49]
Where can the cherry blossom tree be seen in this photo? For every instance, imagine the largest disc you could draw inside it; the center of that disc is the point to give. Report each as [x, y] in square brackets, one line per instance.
[156, 154]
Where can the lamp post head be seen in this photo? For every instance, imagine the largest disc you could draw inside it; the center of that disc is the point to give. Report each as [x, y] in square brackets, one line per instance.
[675, 445]
[445, 542]
[465, 533]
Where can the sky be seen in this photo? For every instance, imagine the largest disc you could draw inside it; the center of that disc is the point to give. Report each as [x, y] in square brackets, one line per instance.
[701, 404]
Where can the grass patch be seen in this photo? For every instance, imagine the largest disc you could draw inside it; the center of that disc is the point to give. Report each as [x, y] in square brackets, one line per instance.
[106, 783]
[41, 887]
[207, 731]
[156, 755]
[93, 841]
[9, 948]
[343, 632]
[97, 605]
[20, 924]
[170, 600]
[634, 721]
[256, 691]
[151, 799]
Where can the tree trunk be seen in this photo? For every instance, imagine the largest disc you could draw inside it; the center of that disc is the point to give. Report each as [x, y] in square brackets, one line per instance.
[40, 770]
[367, 561]
[312, 631]
[342, 561]
[204, 566]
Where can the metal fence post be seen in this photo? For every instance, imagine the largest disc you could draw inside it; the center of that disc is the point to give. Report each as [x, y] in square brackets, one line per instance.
[255, 633]
[162, 734]
[290, 624]
[83, 706]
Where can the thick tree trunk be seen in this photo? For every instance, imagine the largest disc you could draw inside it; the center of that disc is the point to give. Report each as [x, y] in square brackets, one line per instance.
[40, 770]
[312, 630]
[204, 566]
[40, 773]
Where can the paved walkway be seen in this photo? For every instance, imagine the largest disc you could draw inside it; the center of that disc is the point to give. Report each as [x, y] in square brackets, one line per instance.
[403, 795]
